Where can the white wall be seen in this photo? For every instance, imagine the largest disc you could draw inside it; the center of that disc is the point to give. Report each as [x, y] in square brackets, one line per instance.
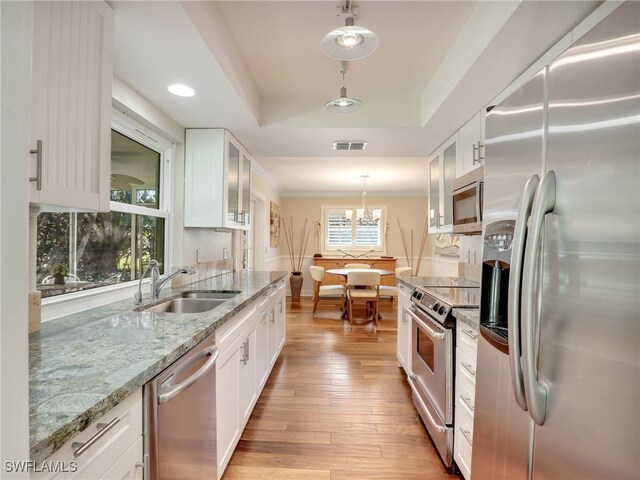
[264, 193]
[15, 82]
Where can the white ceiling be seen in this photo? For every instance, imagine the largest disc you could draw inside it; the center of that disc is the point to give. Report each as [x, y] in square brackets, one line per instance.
[258, 71]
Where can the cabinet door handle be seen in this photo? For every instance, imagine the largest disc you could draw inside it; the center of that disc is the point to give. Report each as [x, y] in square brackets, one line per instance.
[104, 428]
[480, 152]
[245, 356]
[474, 149]
[38, 153]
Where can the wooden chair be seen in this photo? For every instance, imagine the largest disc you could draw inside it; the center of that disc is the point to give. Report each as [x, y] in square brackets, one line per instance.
[323, 291]
[357, 265]
[365, 287]
[392, 291]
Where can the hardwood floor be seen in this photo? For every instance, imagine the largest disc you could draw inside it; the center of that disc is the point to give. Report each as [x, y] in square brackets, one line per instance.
[336, 406]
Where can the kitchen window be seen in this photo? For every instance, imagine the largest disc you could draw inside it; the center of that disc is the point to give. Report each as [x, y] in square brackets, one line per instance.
[345, 229]
[91, 250]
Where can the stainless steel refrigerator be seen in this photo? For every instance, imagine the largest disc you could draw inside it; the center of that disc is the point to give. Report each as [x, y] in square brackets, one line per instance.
[558, 379]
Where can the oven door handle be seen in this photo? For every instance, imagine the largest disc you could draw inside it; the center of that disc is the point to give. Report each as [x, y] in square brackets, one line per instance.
[432, 333]
[439, 428]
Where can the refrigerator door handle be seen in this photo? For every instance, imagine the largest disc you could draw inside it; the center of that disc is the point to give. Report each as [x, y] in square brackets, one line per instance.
[536, 392]
[515, 283]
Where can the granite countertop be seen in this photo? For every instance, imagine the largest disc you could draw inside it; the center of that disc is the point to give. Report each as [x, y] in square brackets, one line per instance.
[83, 365]
[468, 316]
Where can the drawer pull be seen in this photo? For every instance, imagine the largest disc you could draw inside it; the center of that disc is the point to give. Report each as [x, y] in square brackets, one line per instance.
[104, 428]
[470, 333]
[467, 402]
[469, 368]
[466, 435]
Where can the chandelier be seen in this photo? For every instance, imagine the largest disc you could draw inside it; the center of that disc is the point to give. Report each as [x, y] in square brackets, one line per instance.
[364, 216]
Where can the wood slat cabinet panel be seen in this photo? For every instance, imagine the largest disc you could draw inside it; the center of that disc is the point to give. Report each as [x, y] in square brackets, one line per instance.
[72, 72]
[380, 263]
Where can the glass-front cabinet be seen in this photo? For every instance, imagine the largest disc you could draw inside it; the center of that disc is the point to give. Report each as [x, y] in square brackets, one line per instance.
[217, 180]
[442, 172]
[233, 186]
[245, 198]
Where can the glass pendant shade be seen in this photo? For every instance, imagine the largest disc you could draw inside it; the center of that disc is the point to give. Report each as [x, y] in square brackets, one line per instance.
[350, 42]
[343, 104]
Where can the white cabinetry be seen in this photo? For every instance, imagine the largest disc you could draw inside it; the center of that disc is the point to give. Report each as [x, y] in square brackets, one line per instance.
[72, 72]
[466, 356]
[249, 344]
[217, 180]
[471, 144]
[404, 328]
[442, 172]
[117, 453]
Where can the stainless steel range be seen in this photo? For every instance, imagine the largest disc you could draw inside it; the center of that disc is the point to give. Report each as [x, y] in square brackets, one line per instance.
[432, 338]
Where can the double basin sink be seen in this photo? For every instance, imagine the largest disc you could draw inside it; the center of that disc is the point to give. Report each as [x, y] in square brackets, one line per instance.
[191, 302]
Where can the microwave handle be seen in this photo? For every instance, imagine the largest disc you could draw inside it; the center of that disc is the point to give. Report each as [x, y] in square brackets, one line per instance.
[479, 195]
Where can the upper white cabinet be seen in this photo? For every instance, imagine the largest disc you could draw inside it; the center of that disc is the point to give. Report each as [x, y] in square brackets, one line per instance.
[217, 180]
[471, 144]
[72, 71]
[442, 172]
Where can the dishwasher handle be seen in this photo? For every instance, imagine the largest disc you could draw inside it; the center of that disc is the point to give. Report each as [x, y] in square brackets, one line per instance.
[201, 372]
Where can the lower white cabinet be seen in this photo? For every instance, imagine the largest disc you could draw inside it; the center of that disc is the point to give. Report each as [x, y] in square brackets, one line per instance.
[404, 329]
[115, 454]
[248, 387]
[262, 350]
[128, 466]
[466, 357]
[249, 346]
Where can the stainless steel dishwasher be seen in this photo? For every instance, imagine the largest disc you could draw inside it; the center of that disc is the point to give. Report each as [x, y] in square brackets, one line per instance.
[180, 418]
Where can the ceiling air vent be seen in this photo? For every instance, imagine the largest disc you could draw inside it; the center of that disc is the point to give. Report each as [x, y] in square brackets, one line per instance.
[349, 145]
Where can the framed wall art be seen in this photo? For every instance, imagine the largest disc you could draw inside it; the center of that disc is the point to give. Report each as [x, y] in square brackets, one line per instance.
[274, 225]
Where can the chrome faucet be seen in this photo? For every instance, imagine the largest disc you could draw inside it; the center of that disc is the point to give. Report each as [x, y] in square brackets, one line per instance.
[153, 265]
[157, 283]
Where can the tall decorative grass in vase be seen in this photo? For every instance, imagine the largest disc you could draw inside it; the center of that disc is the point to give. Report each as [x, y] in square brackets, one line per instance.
[296, 255]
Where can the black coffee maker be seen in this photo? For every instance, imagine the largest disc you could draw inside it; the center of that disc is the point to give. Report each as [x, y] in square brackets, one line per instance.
[496, 262]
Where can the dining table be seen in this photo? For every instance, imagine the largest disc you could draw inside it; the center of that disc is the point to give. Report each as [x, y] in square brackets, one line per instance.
[343, 272]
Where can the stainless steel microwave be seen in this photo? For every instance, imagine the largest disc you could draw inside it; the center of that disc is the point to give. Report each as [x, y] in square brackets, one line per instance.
[467, 202]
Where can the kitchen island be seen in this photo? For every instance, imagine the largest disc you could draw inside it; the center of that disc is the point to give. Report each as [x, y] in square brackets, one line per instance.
[83, 365]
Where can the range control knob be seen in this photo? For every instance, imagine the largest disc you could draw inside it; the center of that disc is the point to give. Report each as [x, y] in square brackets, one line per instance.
[436, 306]
[442, 309]
[419, 295]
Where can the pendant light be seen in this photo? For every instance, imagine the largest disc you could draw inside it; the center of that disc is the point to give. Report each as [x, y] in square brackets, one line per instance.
[350, 42]
[343, 104]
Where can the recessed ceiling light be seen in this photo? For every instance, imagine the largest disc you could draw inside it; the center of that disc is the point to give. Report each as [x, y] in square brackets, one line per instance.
[181, 90]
